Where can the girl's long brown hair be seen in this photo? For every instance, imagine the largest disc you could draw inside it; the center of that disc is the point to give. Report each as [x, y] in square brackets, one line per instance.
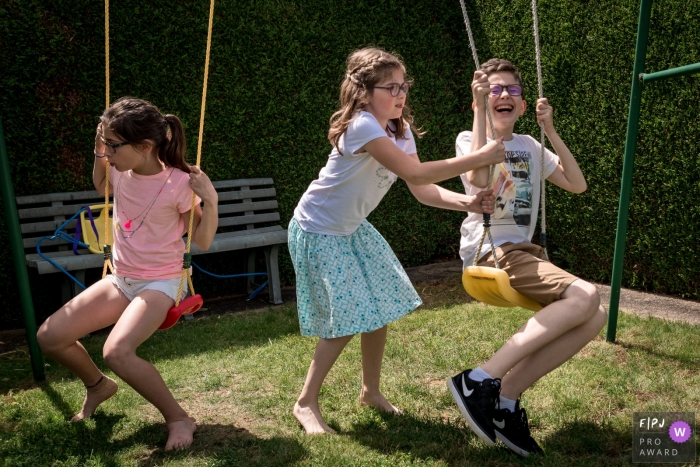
[137, 120]
[365, 68]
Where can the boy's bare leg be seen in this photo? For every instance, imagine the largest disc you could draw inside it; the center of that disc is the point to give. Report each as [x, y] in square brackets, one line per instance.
[578, 304]
[373, 344]
[551, 356]
[97, 307]
[138, 322]
[306, 409]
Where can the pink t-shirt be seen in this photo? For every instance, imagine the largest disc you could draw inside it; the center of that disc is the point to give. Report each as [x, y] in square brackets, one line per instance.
[148, 224]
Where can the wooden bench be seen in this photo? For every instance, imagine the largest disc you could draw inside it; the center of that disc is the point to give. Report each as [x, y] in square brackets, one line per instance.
[248, 220]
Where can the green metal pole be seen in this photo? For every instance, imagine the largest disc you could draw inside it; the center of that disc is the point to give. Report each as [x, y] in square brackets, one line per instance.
[671, 73]
[628, 164]
[25, 294]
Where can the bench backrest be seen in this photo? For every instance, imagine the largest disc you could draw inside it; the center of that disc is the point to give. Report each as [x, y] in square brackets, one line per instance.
[244, 204]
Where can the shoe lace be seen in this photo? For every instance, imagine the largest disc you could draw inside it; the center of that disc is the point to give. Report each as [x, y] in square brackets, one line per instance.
[488, 395]
[520, 416]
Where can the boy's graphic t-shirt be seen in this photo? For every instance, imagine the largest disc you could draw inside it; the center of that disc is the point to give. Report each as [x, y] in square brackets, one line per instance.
[516, 186]
[147, 223]
[351, 185]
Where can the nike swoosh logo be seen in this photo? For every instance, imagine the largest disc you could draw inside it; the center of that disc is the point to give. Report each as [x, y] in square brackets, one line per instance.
[499, 424]
[465, 391]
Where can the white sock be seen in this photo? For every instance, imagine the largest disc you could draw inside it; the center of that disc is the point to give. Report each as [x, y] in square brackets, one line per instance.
[506, 403]
[479, 375]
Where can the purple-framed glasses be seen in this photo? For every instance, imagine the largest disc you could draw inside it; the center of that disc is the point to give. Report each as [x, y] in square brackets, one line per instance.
[511, 89]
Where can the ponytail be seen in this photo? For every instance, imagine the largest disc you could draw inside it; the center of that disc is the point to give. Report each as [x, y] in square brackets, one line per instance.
[172, 151]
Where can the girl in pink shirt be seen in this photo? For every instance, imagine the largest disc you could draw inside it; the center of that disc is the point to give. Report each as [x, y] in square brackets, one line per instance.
[153, 186]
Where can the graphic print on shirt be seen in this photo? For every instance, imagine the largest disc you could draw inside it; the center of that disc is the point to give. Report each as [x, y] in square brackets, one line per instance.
[386, 177]
[513, 188]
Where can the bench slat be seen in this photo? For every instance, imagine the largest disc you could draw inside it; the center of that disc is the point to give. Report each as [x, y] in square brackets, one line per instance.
[53, 197]
[243, 242]
[243, 220]
[247, 194]
[243, 207]
[241, 182]
[65, 210]
[48, 226]
[31, 242]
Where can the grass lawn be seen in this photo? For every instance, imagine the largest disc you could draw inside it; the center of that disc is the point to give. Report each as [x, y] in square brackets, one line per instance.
[239, 375]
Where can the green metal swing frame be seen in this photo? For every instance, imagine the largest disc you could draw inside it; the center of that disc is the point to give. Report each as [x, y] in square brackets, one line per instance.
[638, 80]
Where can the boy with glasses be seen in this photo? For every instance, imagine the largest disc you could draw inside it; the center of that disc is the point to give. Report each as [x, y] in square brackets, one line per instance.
[571, 316]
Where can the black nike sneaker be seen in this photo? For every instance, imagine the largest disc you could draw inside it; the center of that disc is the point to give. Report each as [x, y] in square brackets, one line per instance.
[477, 401]
[512, 428]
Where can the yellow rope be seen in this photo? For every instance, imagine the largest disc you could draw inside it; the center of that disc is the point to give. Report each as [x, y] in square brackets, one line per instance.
[108, 262]
[186, 270]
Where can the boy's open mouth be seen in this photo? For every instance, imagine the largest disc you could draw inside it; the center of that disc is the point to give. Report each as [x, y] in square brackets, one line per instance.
[502, 108]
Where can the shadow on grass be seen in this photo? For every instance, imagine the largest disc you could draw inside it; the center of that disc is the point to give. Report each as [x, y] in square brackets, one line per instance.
[57, 401]
[577, 443]
[95, 443]
[688, 362]
[429, 439]
[583, 442]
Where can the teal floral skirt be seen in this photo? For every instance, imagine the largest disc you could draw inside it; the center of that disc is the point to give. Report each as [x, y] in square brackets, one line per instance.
[348, 284]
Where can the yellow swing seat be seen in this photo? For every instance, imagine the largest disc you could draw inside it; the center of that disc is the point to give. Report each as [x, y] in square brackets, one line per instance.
[492, 286]
[89, 235]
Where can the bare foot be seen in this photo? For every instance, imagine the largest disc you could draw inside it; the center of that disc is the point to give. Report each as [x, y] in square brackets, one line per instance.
[378, 401]
[180, 434]
[311, 419]
[95, 396]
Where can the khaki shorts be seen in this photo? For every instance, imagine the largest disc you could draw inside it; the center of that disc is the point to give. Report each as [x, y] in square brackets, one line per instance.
[529, 271]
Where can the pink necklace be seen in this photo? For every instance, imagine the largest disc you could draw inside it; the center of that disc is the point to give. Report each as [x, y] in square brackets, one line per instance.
[129, 220]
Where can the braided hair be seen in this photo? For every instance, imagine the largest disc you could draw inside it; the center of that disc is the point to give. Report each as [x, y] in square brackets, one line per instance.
[365, 68]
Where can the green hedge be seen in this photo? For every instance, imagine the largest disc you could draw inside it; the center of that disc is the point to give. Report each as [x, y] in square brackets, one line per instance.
[274, 78]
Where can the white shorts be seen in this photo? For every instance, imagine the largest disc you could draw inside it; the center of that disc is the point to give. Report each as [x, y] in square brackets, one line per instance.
[132, 287]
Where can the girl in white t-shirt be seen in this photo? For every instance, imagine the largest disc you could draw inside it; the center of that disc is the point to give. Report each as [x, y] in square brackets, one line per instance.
[153, 185]
[348, 279]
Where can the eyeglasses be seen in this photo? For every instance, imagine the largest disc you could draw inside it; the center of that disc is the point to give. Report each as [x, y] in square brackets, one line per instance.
[113, 146]
[394, 88]
[511, 89]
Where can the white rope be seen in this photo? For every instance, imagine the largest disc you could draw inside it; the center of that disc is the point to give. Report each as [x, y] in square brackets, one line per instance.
[538, 55]
[475, 56]
[487, 229]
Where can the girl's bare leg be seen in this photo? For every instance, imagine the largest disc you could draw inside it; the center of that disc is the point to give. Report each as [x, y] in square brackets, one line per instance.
[97, 307]
[372, 355]
[138, 322]
[306, 409]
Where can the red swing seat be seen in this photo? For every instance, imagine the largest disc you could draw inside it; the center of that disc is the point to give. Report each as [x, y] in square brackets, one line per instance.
[186, 307]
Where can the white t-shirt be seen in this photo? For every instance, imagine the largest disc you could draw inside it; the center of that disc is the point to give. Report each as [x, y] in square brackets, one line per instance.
[516, 185]
[351, 185]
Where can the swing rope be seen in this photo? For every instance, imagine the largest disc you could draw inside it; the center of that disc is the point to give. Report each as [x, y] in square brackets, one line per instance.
[107, 250]
[187, 261]
[487, 223]
[487, 217]
[538, 55]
